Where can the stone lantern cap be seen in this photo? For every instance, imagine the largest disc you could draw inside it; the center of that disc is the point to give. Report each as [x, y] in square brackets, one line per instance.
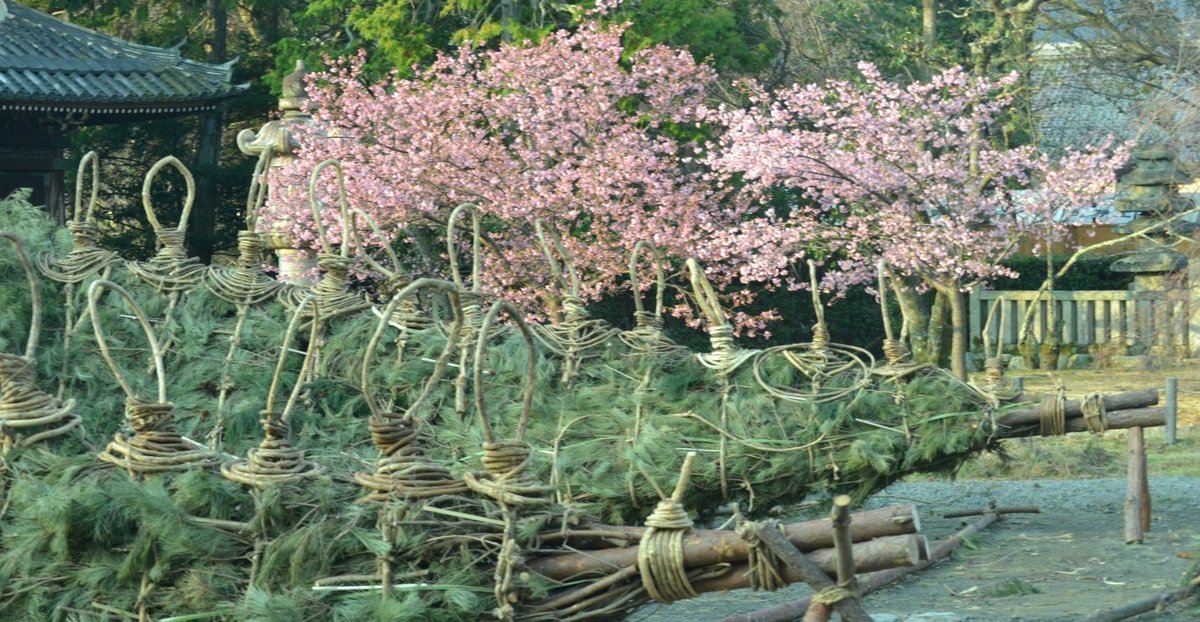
[1155, 166]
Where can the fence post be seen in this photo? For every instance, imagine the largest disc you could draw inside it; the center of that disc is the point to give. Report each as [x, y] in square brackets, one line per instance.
[1172, 408]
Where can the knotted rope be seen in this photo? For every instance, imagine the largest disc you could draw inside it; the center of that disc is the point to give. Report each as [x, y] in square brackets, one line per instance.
[403, 470]
[820, 363]
[1094, 413]
[155, 444]
[896, 354]
[647, 338]
[725, 357]
[407, 315]
[995, 388]
[766, 572]
[276, 461]
[660, 552]
[22, 406]
[170, 271]
[245, 283]
[332, 294]
[1053, 420]
[506, 478]
[84, 259]
[576, 338]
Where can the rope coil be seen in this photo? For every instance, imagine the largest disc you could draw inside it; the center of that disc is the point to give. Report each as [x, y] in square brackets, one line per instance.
[170, 270]
[403, 470]
[22, 405]
[1053, 420]
[84, 258]
[155, 444]
[276, 461]
[660, 552]
[647, 338]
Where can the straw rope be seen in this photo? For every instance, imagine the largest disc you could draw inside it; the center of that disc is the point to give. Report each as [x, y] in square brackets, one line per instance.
[1053, 420]
[403, 470]
[725, 357]
[766, 568]
[660, 552]
[895, 352]
[23, 407]
[155, 444]
[170, 271]
[576, 338]
[647, 338]
[1094, 413]
[407, 315]
[84, 259]
[276, 461]
[470, 297]
[506, 478]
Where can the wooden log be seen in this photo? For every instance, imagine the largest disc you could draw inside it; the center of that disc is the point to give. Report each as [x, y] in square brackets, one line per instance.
[1146, 604]
[1029, 509]
[1122, 419]
[892, 520]
[850, 609]
[870, 582]
[1137, 493]
[1071, 408]
[878, 554]
[706, 547]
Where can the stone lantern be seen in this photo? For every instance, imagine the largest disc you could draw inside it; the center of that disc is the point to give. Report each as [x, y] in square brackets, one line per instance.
[1150, 191]
[278, 138]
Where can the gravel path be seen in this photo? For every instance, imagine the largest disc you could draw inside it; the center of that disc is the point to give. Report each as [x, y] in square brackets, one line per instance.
[1070, 560]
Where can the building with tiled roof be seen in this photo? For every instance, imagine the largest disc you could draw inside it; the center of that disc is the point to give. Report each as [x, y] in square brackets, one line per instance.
[56, 76]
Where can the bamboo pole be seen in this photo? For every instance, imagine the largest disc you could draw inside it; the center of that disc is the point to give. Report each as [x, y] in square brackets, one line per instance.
[1172, 409]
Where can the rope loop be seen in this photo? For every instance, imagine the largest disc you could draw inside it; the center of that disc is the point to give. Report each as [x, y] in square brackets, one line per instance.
[1053, 420]
[766, 573]
[84, 259]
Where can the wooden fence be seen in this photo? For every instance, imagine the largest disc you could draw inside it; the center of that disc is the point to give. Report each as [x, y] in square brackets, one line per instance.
[1089, 317]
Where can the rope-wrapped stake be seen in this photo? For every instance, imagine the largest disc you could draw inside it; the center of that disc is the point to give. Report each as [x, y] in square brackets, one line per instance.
[660, 552]
[647, 338]
[155, 444]
[23, 407]
[402, 470]
[84, 258]
[276, 461]
[244, 283]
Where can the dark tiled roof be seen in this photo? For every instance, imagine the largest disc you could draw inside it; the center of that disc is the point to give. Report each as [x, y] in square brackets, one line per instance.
[49, 64]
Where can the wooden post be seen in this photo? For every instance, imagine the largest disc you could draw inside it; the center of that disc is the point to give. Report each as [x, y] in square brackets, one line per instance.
[1019, 385]
[1137, 493]
[841, 542]
[1172, 408]
[850, 609]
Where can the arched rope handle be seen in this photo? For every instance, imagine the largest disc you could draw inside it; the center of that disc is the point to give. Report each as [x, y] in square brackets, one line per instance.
[343, 205]
[257, 196]
[551, 243]
[187, 205]
[97, 287]
[659, 273]
[443, 360]
[530, 362]
[306, 366]
[89, 157]
[35, 294]
[357, 213]
[820, 338]
[451, 242]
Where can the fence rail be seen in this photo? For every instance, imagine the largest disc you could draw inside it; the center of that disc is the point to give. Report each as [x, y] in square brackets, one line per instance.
[1088, 317]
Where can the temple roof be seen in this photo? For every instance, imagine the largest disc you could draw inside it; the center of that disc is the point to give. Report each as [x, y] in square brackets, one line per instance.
[47, 64]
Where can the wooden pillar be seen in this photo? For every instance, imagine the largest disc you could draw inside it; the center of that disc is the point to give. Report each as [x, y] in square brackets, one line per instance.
[1137, 489]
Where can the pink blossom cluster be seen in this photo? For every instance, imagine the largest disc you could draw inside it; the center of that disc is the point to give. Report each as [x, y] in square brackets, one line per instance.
[905, 173]
[567, 131]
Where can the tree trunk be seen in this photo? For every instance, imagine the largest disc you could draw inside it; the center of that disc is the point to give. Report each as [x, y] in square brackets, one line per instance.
[936, 348]
[929, 26]
[958, 327]
[916, 319]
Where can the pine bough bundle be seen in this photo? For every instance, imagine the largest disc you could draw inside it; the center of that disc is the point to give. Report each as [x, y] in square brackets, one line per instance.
[382, 490]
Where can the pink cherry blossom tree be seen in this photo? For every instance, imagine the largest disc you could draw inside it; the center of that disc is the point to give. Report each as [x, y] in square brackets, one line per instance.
[568, 131]
[905, 173]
